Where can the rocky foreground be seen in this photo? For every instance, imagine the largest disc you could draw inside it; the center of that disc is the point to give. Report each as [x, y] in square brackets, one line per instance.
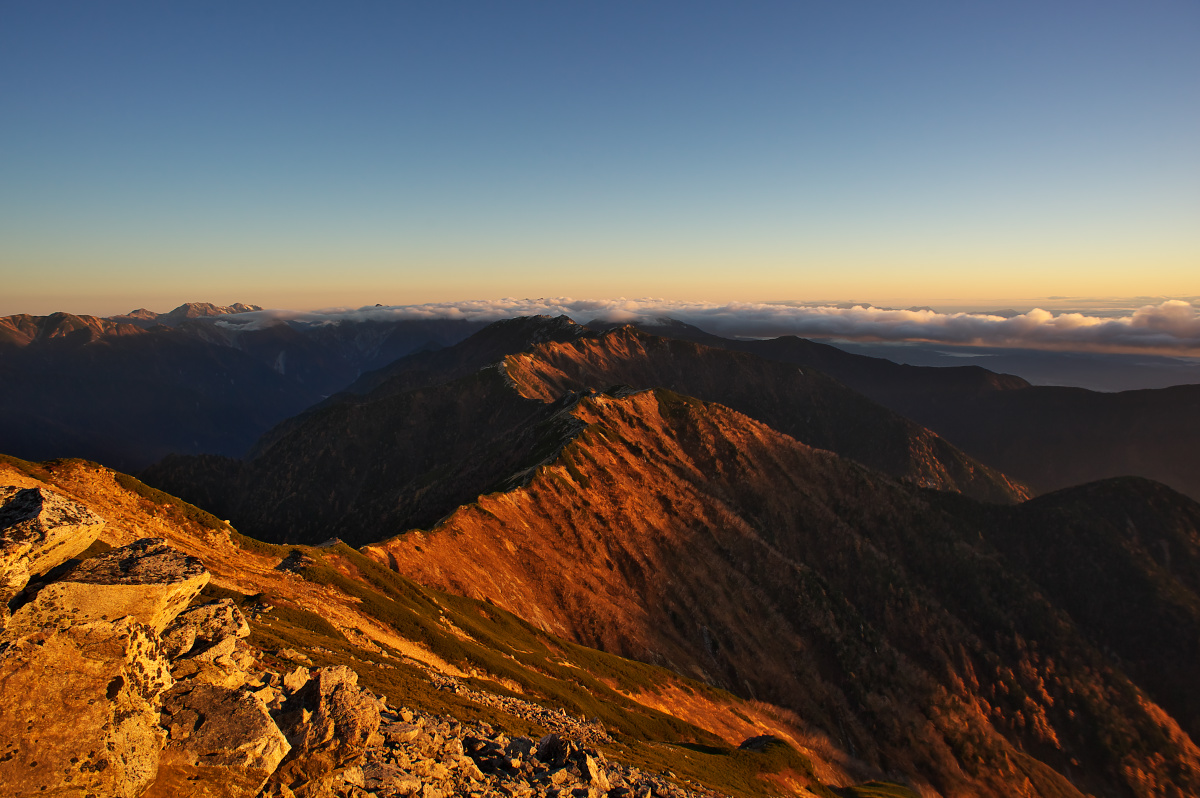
[119, 678]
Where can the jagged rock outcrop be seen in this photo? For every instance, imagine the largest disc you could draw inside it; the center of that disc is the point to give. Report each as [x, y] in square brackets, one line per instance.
[207, 631]
[82, 668]
[147, 579]
[109, 686]
[39, 530]
[205, 643]
[84, 674]
[79, 709]
[329, 722]
[437, 757]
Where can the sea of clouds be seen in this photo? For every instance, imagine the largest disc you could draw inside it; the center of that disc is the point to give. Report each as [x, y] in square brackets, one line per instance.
[1167, 327]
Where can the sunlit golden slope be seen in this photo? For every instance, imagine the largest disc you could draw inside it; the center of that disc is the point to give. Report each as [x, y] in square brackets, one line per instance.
[688, 535]
[340, 608]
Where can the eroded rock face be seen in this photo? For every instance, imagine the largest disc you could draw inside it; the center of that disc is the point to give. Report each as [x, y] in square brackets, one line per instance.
[330, 722]
[221, 742]
[79, 710]
[147, 579]
[39, 530]
[199, 630]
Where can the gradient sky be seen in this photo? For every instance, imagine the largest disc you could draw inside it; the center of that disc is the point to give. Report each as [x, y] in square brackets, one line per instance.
[297, 154]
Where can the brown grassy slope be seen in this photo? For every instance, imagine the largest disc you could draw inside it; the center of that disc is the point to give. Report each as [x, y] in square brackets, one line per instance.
[804, 404]
[685, 534]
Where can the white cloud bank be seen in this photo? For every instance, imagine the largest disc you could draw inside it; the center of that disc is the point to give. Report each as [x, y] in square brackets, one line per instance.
[1170, 327]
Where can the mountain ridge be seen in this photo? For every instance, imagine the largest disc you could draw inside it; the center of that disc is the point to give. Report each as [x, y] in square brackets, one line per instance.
[808, 406]
[702, 555]
[438, 419]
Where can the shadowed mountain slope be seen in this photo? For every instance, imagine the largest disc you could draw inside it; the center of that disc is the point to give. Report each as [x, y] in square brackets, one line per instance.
[1056, 437]
[1122, 558]
[685, 534]
[502, 338]
[130, 399]
[1046, 436]
[437, 366]
[365, 471]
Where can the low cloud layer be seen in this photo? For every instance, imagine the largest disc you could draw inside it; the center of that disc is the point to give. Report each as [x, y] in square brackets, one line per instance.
[1170, 327]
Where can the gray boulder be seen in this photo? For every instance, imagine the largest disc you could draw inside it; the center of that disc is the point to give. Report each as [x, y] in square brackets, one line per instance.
[222, 744]
[147, 579]
[79, 710]
[330, 723]
[199, 630]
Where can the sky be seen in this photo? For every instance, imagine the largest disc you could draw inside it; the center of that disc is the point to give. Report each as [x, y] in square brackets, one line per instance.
[308, 155]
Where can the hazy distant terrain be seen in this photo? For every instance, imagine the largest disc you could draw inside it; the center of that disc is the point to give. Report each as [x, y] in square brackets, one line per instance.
[1094, 371]
[129, 390]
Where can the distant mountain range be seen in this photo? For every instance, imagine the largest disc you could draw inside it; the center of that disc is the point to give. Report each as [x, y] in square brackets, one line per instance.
[129, 390]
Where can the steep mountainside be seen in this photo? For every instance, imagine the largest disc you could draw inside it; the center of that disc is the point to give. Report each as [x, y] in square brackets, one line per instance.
[457, 674]
[1056, 437]
[426, 439]
[923, 631]
[1122, 558]
[129, 390]
[1044, 436]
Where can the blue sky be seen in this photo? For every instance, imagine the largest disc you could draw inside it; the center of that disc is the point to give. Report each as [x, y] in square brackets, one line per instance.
[316, 154]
